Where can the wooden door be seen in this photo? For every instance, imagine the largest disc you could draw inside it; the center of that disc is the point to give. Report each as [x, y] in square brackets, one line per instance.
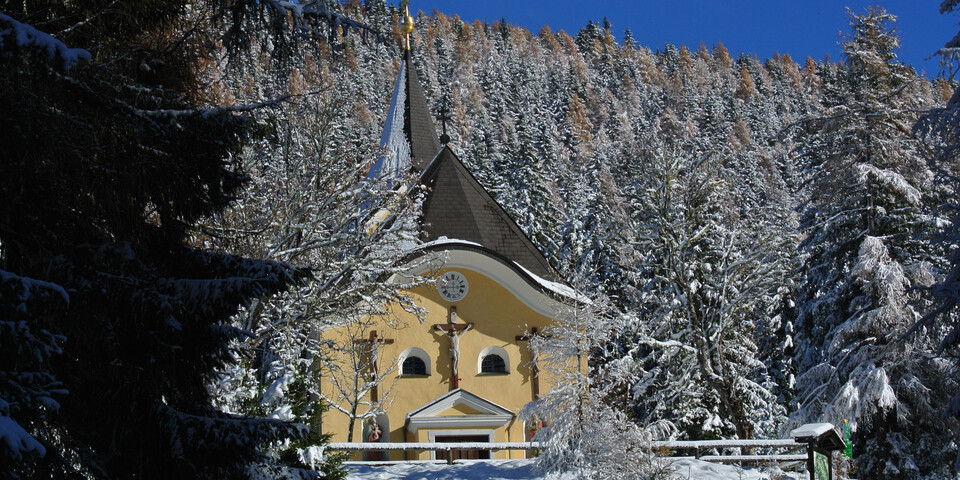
[469, 454]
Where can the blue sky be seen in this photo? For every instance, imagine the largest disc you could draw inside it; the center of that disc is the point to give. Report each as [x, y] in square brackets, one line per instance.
[800, 27]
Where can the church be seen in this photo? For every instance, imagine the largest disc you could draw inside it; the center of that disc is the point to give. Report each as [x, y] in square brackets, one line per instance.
[464, 373]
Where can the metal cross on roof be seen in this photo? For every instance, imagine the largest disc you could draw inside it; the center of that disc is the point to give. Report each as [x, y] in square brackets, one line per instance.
[443, 114]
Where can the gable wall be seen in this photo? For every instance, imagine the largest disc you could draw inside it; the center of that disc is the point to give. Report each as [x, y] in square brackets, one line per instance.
[498, 317]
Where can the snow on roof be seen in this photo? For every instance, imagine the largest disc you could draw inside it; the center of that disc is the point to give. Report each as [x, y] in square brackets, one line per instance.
[811, 430]
[446, 241]
[555, 287]
[395, 160]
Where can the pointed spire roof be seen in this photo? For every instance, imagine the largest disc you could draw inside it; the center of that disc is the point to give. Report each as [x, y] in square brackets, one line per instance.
[409, 138]
[456, 206]
[417, 121]
[394, 161]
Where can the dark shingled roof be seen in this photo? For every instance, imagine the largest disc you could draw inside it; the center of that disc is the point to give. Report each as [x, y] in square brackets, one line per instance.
[417, 121]
[456, 206]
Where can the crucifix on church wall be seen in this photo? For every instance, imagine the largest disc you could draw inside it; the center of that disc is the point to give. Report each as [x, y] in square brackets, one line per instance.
[534, 367]
[454, 331]
[373, 344]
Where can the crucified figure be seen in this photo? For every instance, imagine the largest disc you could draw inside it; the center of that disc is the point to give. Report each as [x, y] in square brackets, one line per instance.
[455, 348]
[454, 331]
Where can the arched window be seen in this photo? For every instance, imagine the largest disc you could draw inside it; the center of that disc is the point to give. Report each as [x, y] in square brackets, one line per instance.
[413, 366]
[414, 361]
[493, 363]
[494, 359]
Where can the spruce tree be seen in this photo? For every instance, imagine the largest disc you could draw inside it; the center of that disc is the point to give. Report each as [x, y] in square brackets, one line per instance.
[868, 189]
[113, 155]
[939, 130]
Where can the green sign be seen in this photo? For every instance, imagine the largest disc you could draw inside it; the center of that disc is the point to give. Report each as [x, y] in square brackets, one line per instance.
[821, 466]
[848, 451]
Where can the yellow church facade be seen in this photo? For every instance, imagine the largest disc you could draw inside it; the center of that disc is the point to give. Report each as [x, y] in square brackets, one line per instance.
[425, 396]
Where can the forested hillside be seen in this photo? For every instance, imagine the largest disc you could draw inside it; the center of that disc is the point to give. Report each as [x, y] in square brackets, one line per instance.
[763, 223]
[764, 228]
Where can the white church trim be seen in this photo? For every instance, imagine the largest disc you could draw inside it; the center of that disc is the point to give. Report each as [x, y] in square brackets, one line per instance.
[426, 417]
[494, 350]
[493, 268]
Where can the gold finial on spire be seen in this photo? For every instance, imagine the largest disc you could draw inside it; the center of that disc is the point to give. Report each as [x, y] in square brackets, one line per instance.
[406, 27]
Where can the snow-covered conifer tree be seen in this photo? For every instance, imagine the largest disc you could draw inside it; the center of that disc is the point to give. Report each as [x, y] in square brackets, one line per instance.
[939, 130]
[313, 204]
[868, 189]
[28, 388]
[709, 295]
[123, 151]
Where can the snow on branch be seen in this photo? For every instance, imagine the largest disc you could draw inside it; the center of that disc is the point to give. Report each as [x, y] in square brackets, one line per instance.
[15, 35]
[892, 180]
[305, 15]
[29, 288]
[218, 110]
[14, 439]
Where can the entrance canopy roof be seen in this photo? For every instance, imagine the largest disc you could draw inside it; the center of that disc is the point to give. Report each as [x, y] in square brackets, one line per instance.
[458, 409]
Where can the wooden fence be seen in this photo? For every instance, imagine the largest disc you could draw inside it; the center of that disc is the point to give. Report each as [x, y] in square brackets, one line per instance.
[719, 451]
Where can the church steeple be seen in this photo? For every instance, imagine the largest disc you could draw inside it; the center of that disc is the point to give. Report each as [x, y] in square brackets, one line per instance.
[418, 122]
[455, 206]
[409, 137]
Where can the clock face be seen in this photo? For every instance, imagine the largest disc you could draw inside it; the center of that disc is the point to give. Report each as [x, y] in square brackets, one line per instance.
[452, 286]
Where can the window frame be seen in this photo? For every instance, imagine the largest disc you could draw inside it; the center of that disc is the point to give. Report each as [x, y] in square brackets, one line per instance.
[418, 353]
[498, 351]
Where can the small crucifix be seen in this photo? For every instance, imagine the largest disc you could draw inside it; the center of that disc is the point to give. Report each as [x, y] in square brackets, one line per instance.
[443, 114]
[454, 331]
[374, 344]
[534, 368]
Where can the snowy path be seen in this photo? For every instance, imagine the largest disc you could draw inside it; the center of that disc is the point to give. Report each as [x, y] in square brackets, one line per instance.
[524, 470]
[492, 470]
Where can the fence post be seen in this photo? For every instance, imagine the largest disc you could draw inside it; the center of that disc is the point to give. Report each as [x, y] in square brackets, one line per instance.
[449, 456]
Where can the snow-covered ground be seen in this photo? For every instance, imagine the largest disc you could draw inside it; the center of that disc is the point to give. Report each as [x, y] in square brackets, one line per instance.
[524, 470]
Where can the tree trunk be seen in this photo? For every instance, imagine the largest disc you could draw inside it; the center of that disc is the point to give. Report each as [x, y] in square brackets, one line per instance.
[351, 422]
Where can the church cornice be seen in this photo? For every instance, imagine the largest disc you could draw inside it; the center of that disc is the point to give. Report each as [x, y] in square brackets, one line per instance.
[533, 291]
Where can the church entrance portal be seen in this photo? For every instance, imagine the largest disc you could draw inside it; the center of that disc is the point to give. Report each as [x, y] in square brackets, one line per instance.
[464, 454]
